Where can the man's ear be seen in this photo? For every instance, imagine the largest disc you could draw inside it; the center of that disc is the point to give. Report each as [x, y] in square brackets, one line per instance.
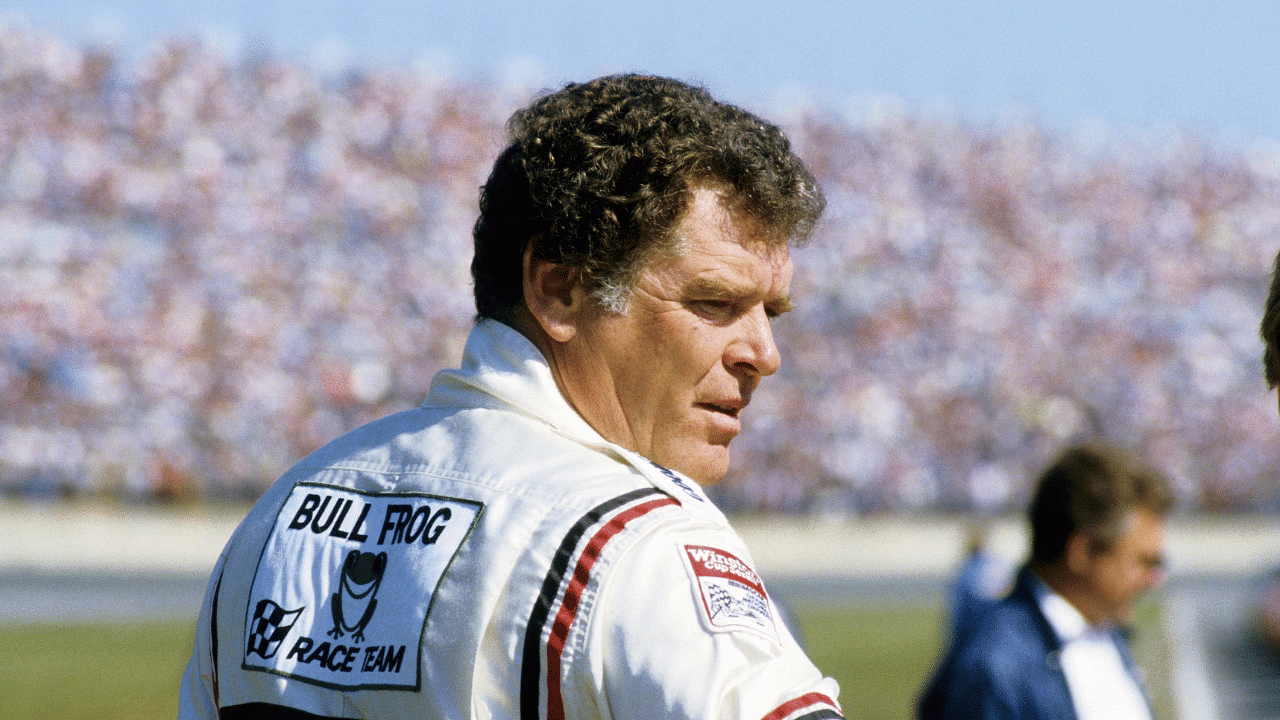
[554, 296]
[1080, 552]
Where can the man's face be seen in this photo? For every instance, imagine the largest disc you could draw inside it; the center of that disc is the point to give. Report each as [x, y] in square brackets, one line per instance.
[1117, 576]
[670, 377]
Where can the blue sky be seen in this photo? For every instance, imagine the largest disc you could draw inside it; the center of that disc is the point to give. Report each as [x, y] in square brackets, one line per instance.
[1144, 65]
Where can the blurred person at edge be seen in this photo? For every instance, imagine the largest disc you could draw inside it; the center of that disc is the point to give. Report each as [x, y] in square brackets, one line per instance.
[1056, 646]
[1269, 607]
[533, 541]
[982, 580]
[1270, 331]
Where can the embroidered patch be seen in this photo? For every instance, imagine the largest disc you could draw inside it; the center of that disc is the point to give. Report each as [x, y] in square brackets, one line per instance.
[732, 595]
[345, 582]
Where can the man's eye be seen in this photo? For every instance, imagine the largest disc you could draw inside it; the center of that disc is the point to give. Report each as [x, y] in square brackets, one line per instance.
[713, 308]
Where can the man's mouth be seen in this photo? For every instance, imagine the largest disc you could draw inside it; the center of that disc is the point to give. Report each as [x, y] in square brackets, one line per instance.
[732, 409]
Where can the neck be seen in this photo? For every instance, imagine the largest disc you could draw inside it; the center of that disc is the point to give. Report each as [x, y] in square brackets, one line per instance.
[1059, 578]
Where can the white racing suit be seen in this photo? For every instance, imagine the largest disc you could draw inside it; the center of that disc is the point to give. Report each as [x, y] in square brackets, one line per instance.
[489, 555]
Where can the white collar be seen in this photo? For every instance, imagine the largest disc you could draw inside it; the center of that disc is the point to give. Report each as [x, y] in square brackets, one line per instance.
[503, 369]
[1067, 622]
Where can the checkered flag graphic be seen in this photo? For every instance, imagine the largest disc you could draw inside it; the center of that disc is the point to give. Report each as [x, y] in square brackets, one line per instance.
[721, 600]
[270, 624]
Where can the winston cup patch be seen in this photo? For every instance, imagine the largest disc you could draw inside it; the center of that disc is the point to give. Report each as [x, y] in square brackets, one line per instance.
[731, 594]
[345, 582]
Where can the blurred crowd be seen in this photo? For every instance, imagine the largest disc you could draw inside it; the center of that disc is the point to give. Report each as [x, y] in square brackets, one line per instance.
[211, 265]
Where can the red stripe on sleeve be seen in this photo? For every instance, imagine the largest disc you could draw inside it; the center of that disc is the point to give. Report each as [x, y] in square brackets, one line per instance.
[799, 703]
[573, 595]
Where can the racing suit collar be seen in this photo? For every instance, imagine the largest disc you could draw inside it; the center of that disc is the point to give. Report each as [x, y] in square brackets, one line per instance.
[501, 368]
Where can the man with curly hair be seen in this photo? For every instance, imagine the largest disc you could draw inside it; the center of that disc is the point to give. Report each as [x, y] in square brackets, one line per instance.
[534, 540]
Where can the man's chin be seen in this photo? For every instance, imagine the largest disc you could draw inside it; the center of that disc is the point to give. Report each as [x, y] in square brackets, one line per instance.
[705, 466]
[1122, 617]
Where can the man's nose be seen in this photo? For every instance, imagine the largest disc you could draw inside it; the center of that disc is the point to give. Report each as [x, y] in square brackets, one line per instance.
[1156, 573]
[1157, 577]
[754, 350]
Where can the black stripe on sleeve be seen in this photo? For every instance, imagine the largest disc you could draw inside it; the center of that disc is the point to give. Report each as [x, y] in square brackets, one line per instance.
[213, 637]
[531, 668]
[823, 714]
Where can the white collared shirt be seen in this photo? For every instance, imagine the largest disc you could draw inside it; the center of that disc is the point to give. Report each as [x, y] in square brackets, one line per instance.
[1101, 687]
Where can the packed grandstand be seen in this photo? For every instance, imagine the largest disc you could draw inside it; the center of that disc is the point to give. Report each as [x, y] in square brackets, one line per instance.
[211, 265]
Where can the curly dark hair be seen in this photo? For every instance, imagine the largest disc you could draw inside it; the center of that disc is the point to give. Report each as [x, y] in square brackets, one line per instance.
[598, 174]
[1270, 330]
[1091, 488]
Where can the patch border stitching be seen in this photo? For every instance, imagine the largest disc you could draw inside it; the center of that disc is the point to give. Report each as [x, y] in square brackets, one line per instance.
[704, 613]
[417, 685]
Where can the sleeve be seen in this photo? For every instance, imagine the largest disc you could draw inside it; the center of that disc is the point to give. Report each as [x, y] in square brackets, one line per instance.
[967, 687]
[684, 628]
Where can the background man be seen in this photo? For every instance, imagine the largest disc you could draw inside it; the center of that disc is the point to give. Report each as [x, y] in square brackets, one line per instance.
[533, 541]
[1054, 648]
[983, 579]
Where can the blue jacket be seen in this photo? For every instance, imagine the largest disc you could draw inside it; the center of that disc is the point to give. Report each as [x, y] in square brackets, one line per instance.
[1005, 667]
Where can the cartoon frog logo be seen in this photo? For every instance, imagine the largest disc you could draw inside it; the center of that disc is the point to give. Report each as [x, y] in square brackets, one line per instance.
[357, 589]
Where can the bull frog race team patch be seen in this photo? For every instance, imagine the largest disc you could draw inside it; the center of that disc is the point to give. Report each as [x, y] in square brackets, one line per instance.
[731, 593]
[342, 591]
